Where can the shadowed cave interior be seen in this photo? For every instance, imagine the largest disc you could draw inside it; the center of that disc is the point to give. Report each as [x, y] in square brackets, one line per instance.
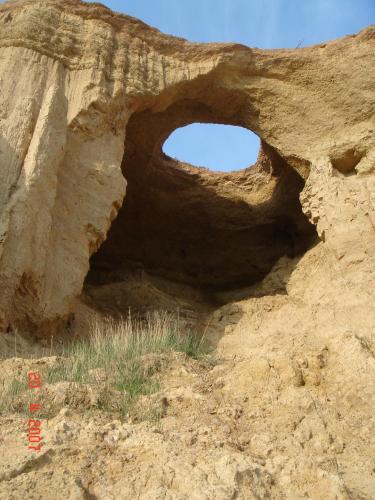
[185, 232]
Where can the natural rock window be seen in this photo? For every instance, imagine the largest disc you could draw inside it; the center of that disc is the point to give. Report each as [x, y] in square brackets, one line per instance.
[222, 148]
[212, 231]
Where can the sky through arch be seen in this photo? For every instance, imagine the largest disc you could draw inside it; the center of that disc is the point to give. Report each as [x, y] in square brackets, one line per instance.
[257, 23]
[217, 147]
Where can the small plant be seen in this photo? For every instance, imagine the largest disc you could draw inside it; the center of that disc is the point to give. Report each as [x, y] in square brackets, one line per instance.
[118, 347]
[16, 397]
[10, 395]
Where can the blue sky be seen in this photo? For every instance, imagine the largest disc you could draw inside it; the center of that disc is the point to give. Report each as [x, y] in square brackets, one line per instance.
[256, 23]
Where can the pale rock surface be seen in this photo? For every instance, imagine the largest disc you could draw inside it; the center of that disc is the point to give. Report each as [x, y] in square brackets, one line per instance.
[289, 411]
[70, 87]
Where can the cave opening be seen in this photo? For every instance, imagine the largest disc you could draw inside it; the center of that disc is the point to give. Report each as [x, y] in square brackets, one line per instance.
[189, 233]
[222, 148]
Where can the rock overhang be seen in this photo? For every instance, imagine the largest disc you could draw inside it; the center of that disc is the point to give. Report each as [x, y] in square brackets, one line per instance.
[87, 79]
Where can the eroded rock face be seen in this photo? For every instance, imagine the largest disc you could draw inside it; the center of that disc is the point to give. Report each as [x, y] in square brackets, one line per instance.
[209, 230]
[89, 78]
[87, 99]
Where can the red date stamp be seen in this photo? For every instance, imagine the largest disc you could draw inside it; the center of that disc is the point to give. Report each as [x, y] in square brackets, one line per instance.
[34, 381]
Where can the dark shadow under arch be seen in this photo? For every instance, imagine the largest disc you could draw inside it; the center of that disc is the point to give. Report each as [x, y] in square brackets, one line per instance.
[213, 231]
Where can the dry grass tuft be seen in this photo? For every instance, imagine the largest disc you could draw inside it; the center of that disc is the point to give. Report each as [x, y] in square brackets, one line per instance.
[115, 350]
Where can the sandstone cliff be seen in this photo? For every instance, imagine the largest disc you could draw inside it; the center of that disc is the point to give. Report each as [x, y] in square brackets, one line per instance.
[88, 98]
[77, 79]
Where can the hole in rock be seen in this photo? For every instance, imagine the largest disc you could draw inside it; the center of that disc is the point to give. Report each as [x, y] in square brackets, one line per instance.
[217, 147]
[184, 234]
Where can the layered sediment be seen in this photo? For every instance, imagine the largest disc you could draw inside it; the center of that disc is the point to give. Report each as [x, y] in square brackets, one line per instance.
[279, 256]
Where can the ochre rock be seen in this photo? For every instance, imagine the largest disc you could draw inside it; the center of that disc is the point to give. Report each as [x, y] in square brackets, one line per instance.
[78, 81]
[284, 250]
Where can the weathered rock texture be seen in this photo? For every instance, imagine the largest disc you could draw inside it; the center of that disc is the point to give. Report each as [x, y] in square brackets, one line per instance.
[87, 99]
[76, 78]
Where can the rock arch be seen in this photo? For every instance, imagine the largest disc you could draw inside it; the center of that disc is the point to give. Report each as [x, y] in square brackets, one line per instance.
[206, 229]
[84, 96]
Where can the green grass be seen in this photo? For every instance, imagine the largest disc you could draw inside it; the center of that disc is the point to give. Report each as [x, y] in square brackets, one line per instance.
[134, 380]
[117, 344]
[119, 349]
[10, 395]
[16, 398]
